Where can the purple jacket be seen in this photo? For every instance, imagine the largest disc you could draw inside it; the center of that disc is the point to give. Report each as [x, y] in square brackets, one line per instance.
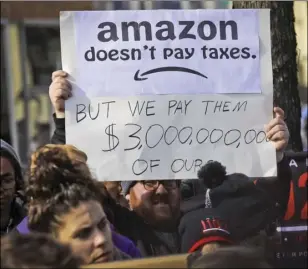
[120, 241]
[125, 245]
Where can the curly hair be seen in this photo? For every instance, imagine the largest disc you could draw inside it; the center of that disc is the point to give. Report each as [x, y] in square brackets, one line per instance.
[56, 183]
[35, 251]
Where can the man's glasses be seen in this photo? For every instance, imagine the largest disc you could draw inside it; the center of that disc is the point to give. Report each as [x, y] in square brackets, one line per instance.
[152, 185]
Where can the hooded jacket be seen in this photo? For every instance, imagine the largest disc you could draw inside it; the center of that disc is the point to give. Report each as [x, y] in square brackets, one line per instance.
[18, 211]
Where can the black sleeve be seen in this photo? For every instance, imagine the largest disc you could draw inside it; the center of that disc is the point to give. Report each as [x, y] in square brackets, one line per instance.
[127, 222]
[278, 187]
[58, 136]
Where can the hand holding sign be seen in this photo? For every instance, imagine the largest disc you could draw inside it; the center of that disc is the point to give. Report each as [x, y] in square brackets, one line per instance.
[277, 131]
[59, 91]
[187, 104]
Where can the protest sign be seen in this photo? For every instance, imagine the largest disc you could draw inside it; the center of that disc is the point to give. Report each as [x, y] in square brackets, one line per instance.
[157, 94]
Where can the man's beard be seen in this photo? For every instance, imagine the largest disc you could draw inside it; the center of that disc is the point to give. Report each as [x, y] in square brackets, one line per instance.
[168, 224]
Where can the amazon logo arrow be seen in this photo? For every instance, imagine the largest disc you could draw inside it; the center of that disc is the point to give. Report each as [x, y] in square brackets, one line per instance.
[140, 77]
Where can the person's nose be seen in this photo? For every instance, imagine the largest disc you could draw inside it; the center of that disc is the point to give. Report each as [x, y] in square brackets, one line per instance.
[99, 238]
[161, 189]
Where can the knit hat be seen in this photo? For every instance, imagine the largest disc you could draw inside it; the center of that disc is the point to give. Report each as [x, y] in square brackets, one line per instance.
[200, 227]
[247, 208]
[126, 185]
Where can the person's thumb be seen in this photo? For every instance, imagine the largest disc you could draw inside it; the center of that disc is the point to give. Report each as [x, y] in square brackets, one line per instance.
[278, 112]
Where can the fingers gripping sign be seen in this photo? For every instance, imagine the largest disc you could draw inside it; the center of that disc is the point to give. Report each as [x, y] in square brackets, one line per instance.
[59, 90]
[277, 132]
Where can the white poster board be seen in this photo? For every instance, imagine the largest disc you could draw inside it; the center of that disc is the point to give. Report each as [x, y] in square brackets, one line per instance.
[158, 93]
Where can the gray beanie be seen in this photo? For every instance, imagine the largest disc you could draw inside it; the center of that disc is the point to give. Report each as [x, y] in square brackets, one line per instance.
[126, 185]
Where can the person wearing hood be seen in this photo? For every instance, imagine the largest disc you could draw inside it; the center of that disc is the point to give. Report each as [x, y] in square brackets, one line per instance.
[12, 200]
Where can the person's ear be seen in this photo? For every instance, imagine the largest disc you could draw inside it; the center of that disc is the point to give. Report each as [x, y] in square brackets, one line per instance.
[127, 197]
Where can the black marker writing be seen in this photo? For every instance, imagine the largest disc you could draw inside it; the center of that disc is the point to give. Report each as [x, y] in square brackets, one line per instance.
[93, 111]
[179, 164]
[140, 166]
[113, 140]
[138, 108]
[156, 134]
[224, 106]
[179, 106]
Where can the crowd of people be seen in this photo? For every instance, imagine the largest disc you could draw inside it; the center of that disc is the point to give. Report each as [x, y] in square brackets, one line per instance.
[57, 215]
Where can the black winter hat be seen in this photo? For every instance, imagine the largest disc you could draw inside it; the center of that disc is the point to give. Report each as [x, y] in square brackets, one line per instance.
[200, 227]
[247, 208]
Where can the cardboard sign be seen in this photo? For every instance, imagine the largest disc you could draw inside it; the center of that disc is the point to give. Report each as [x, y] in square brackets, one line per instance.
[157, 94]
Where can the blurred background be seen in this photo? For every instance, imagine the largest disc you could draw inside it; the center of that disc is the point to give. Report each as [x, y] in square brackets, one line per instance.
[30, 52]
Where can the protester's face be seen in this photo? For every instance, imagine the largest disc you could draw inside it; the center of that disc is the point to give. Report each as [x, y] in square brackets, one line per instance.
[86, 229]
[158, 206]
[114, 189]
[7, 181]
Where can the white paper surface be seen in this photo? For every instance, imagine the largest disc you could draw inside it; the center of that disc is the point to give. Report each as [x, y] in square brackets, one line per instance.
[219, 50]
[171, 101]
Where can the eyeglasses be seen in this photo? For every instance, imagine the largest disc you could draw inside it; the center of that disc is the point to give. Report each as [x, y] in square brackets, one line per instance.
[151, 185]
